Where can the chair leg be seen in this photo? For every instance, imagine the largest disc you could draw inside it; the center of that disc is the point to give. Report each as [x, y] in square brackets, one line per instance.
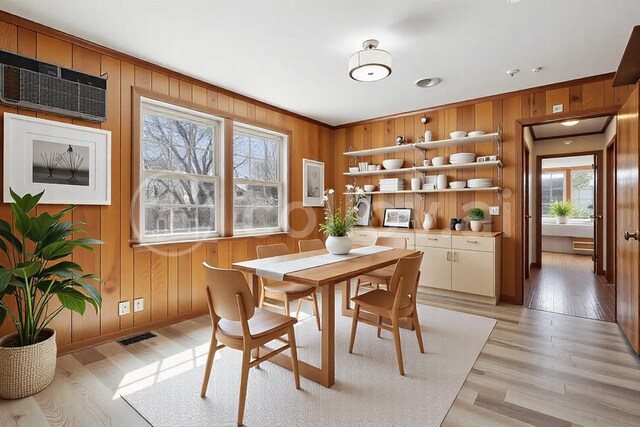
[294, 356]
[298, 307]
[244, 379]
[416, 325]
[379, 323]
[262, 297]
[396, 341]
[287, 305]
[210, 357]
[357, 286]
[316, 312]
[354, 326]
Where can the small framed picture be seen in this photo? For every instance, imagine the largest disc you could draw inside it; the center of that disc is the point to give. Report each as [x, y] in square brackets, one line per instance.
[312, 182]
[397, 217]
[364, 211]
[480, 159]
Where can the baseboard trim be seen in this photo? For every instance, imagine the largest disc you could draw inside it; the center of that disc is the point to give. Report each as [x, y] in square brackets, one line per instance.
[92, 342]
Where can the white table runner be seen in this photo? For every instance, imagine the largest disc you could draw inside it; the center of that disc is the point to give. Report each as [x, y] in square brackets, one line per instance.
[276, 271]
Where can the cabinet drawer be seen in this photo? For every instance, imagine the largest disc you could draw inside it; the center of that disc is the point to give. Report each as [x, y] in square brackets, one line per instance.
[433, 240]
[485, 244]
[363, 236]
[410, 237]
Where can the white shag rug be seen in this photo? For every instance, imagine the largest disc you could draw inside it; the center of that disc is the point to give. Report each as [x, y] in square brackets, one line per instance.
[368, 391]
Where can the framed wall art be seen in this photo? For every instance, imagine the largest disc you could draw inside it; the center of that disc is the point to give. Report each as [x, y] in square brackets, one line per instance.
[312, 183]
[397, 217]
[364, 210]
[71, 163]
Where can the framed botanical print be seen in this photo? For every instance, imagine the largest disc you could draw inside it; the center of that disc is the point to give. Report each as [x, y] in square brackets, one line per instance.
[397, 217]
[312, 182]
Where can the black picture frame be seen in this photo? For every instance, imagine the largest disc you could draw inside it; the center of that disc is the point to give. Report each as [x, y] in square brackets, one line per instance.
[397, 217]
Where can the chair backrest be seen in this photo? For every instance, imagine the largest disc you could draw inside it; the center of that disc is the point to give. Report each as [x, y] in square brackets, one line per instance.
[407, 269]
[222, 287]
[393, 242]
[266, 251]
[310, 245]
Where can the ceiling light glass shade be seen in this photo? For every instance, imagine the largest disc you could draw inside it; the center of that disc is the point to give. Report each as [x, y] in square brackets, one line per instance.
[370, 64]
[570, 122]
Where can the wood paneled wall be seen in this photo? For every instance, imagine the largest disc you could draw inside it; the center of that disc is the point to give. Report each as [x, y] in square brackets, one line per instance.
[484, 115]
[168, 277]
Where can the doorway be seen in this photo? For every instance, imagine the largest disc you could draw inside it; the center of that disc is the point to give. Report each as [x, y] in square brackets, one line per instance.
[567, 248]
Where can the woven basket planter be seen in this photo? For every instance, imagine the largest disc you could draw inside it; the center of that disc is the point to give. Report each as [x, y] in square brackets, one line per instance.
[27, 370]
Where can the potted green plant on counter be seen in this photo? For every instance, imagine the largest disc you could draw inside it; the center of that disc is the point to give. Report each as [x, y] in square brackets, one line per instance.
[561, 210]
[476, 219]
[336, 225]
[33, 273]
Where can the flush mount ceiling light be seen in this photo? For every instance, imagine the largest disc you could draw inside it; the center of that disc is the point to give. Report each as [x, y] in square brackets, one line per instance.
[568, 142]
[428, 82]
[570, 122]
[370, 64]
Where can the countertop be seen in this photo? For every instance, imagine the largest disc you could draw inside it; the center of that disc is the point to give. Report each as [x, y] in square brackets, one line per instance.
[422, 231]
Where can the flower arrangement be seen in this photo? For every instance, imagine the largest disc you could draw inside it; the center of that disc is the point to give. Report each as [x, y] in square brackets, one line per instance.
[335, 224]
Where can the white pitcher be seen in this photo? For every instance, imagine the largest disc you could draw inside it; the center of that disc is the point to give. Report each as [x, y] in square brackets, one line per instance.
[429, 221]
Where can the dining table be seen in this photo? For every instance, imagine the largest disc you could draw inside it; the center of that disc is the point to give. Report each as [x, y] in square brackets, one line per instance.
[325, 277]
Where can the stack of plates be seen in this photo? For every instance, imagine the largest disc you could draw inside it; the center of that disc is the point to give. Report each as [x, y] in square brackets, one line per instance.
[457, 184]
[460, 158]
[480, 183]
[391, 184]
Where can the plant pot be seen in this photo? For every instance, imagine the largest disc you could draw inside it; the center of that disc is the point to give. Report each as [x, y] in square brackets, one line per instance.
[561, 220]
[338, 245]
[27, 370]
[476, 225]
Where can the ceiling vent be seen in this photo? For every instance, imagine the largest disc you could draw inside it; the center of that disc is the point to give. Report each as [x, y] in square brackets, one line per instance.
[37, 85]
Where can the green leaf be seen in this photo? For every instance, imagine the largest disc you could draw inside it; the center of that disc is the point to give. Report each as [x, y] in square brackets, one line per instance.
[3, 314]
[9, 237]
[57, 250]
[23, 221]
[40, 227]
[5, 279]
[63, 269]
[60, 214]
[93, 294]
[27, 202]
[55, 234]
[27, 269]
[72, 299]
[87, 243]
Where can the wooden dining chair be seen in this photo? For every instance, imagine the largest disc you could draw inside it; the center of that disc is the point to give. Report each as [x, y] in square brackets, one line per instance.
[238, 324]
[381, 276]
[396, 302]
[282, 290]
[310, 245]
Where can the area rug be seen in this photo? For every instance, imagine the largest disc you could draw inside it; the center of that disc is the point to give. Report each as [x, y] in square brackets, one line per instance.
[368, 391]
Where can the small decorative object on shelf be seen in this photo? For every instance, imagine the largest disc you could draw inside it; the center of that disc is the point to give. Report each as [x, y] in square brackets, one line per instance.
[561, 210]
[400, 140]
[476, 219]
[429, 222]
[335, 225]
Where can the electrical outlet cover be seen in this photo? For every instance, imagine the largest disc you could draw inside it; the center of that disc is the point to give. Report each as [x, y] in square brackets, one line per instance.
[138, 304]
[558, 108]
[123, 308]
[494, 210]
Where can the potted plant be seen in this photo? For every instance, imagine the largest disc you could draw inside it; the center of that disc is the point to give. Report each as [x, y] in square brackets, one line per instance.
[561, 210]
[35, 246]
[335, 225]
[476, 219]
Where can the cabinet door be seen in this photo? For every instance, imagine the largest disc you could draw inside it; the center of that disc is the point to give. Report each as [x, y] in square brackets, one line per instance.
[363, 237]
[473, 272]
[435, 270]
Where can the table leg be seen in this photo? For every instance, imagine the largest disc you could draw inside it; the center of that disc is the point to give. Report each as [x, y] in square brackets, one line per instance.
[255, 288]
[328, 293]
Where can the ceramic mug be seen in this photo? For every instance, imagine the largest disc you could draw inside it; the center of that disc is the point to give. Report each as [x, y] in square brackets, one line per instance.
[428, 136]
[426, 162]
[416, 184]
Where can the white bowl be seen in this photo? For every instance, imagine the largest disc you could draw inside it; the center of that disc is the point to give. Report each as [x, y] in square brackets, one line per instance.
[477, 133]
[457, 134]
[369, 187]
[371, 168]
[438, 161]
[457, 184]
[353, 169]
[392, 163]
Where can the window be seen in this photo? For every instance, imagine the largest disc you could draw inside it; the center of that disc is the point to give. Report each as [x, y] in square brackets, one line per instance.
[582, 182]
[552, 190]
[179, 173]
[259, 177]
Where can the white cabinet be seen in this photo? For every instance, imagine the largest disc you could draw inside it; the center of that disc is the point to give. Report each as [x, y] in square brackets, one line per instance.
[363, 237]
[466, 266]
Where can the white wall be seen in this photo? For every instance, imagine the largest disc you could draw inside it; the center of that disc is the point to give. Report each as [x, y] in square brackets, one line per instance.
[557, 146]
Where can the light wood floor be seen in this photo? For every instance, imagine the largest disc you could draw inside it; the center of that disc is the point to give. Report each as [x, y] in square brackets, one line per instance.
[537, 368]
[566, 284]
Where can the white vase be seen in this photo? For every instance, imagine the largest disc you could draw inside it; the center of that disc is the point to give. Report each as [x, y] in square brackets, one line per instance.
[477, 225]
[338, 245]
[429, 221]
[561, 220]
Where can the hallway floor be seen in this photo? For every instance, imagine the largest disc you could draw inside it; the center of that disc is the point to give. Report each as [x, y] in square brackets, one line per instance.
[566, 284]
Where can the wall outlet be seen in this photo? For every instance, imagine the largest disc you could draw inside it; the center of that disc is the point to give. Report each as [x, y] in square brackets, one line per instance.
[558, 108]
[494, 210]
[138, 304]
[123, 308]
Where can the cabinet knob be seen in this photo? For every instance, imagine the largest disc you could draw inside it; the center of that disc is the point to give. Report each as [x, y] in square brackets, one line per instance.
[634, 235]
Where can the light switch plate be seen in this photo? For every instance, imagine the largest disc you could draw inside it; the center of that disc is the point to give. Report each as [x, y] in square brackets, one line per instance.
[494, 210]
[124, 308]
[138, 304]
[558, 108]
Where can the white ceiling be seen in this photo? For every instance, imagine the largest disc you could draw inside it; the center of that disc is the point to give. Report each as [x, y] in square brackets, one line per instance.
[557, 130]
[567, 162]
[293, 53]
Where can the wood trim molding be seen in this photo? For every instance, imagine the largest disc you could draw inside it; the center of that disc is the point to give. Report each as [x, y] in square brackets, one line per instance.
[52, 32]
[580, 115]
[628, 71]
[551, 86]
[571, 135]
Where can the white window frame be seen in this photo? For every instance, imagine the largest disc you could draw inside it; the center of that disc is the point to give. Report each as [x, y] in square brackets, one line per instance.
[153, 106]
[282, 183]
